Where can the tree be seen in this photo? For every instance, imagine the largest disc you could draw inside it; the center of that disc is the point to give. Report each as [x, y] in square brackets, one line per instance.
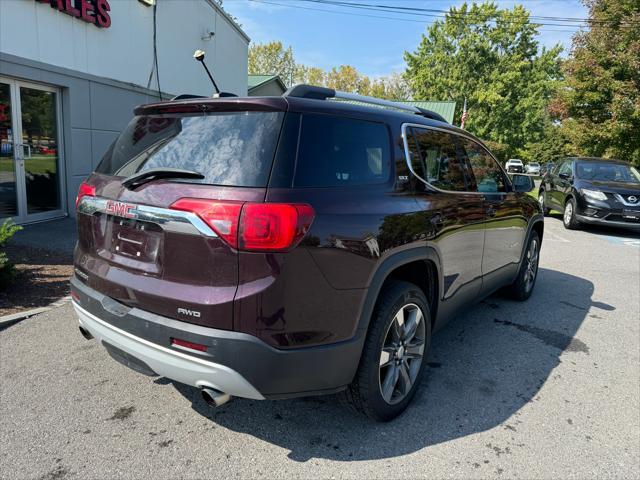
[272, 59]
[600, 106]
[490, 57]
[310, 75]
[345, 78]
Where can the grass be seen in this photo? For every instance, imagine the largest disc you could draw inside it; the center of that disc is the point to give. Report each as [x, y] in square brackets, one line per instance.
[36, 164]
[533, 193]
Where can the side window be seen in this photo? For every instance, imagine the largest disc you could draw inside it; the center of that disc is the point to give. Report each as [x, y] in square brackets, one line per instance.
[434, 158]
[338, 151]
[565, 169]
[488, 176]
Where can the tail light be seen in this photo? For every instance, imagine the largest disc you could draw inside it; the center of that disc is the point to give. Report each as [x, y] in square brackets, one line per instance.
[263, 227]
[222, 217]
[85, 190]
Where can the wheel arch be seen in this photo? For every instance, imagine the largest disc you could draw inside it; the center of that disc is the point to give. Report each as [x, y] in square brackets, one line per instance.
[408, 265]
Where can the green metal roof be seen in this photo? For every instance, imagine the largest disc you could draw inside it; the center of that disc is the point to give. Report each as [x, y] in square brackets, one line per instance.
[446, 109]
[254, 81]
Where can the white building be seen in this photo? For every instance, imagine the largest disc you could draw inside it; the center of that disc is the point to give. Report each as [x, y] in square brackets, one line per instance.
[71, 72]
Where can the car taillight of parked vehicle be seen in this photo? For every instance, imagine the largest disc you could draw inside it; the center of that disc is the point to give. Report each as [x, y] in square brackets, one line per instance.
[266, 227]
[85, 190]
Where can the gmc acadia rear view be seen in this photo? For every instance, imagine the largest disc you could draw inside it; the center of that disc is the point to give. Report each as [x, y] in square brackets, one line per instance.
[299, 245]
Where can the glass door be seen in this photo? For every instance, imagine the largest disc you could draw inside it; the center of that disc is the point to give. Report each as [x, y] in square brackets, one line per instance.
[30, 166]
[8, 183]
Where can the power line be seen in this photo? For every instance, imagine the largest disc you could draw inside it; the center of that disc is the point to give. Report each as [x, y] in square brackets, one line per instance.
[430, 12]
[405, 9]
[341, 12]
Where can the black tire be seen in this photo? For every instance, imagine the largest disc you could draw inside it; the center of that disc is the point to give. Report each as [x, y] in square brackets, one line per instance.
[541, 201]
[569, 219]
[365, 392]
[522, 287]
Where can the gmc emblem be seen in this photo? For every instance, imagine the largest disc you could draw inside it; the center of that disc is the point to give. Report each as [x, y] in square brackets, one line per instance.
[120, 209]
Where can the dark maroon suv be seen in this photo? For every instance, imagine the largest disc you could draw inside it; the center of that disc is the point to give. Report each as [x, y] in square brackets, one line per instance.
[297, 245]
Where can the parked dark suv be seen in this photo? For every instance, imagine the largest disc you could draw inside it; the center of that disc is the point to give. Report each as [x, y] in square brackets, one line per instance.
[593, 191]
[297, 245]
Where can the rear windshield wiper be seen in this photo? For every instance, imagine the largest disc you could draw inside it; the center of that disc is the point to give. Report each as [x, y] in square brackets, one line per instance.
[154, 174]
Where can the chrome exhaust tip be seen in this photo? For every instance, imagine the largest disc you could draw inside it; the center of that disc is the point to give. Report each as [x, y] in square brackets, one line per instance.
[215, 398]
[85, 333]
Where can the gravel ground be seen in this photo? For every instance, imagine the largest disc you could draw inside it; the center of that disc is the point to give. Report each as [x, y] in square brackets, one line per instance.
[42, 277]
[544, 389]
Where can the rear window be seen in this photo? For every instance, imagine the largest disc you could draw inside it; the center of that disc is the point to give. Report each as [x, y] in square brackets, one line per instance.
[234, 149]
[338, 151]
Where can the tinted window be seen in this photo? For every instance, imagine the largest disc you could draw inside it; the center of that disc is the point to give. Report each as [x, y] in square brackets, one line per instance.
[607, 172]
[227, 148]
[433, 157]
[338, 151]
[488, 176]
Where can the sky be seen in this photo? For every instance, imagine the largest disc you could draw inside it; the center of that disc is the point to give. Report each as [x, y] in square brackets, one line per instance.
[375, 46]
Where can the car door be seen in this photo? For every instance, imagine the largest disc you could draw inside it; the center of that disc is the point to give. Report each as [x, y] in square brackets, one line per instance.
[505, 223]
[453, 213]
[559, 185]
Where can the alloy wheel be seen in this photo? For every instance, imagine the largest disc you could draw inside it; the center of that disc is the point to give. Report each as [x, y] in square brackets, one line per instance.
[531, 265]
[402, 353]
[568, 213]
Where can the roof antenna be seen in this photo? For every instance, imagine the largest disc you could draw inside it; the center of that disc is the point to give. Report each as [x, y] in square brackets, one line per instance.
[199, 56]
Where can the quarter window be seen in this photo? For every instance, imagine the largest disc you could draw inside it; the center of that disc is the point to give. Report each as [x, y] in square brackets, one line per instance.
[488, 176]
[433, 157]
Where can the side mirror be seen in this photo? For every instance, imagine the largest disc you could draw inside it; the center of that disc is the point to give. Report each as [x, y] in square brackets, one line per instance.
[564, 176]
[522, 183]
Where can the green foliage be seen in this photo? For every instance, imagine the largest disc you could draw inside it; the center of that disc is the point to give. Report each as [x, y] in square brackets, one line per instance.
[555, 144]
[274, 59]
[491, 57]
[600, 106]
[7, 231]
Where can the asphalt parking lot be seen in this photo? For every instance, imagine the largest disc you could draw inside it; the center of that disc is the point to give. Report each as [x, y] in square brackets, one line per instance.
[547, 388]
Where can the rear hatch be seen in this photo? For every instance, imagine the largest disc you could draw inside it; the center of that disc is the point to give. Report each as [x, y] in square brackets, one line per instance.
[141, 243]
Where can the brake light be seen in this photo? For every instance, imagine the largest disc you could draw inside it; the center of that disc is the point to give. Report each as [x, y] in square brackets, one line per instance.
[273, 226]
[85, 190]
[266, 227]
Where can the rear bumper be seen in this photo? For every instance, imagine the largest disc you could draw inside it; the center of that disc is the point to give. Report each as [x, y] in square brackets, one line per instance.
[165, 362]
[235, 363]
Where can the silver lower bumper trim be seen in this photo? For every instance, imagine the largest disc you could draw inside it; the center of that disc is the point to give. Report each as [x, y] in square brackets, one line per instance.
[602, 221]
[168, 363]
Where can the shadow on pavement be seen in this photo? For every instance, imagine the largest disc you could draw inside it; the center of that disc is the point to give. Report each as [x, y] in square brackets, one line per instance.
[484, 367]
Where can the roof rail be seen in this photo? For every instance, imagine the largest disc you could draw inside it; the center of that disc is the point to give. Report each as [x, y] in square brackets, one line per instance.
[322, 93]
[431, 114]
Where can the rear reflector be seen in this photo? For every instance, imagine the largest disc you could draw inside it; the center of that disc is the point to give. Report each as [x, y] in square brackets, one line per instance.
[191, 345]
[254, 227]
[85, 190]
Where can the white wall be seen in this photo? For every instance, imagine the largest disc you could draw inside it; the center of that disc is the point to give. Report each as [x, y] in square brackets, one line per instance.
[124, 51]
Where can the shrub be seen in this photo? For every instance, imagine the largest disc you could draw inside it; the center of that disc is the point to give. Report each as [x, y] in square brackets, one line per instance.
[7, 271]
